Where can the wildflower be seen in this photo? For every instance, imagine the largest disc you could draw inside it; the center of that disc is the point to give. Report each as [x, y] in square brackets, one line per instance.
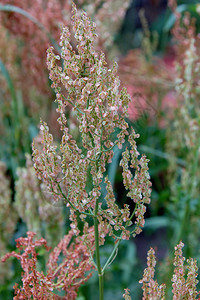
[36, 207]
[184, 278]
[126, 294]
[68, 275]
[184, 288]
[96, 99]
[151, 289]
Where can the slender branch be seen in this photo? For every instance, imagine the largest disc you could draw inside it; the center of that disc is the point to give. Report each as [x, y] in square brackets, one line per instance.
[70, 203]
[108, 149]
[73, 105]
[97, 252]
[112, 256]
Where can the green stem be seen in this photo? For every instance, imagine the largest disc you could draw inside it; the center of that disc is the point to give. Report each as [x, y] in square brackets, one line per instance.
[97, 252]
[101, 286]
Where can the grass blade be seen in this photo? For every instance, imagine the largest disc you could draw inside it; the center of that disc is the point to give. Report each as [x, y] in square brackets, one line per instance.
[6, 75]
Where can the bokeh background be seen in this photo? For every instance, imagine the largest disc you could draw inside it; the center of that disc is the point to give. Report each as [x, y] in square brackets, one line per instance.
[156, 45]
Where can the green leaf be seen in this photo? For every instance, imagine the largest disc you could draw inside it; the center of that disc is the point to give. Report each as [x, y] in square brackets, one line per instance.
[181, 8]
[157, 222]
[6, 75]
[80, 298]
[127, 264]
[114, 166]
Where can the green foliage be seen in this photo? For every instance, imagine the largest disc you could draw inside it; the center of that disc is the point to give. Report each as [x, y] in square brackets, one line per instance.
[17, 128]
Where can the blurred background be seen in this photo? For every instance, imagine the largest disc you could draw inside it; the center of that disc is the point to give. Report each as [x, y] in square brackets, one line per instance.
[156, 45]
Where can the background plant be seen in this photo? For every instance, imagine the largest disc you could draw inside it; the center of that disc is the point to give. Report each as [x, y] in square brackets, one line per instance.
[183, 280]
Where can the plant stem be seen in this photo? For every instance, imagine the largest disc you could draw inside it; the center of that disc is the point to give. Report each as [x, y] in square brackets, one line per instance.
[97, 252]
[101, 286]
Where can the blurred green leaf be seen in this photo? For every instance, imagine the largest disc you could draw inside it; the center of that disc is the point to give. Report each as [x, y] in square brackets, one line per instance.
[162, 154]
[181, 8]
[80, 298]
[157, 222]
[6, 75]
[115, 164]
[127, 264]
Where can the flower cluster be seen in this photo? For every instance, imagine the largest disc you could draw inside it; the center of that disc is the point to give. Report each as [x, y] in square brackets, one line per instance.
[75, 269]
[126, 295]
[35, 207]
[108, 17]
[184, 279]
[66, 275]
[184, 288]
[151, 289]
[36, 36]
[34, 283]
[92, 90]
[139, 186]
[50, 14]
